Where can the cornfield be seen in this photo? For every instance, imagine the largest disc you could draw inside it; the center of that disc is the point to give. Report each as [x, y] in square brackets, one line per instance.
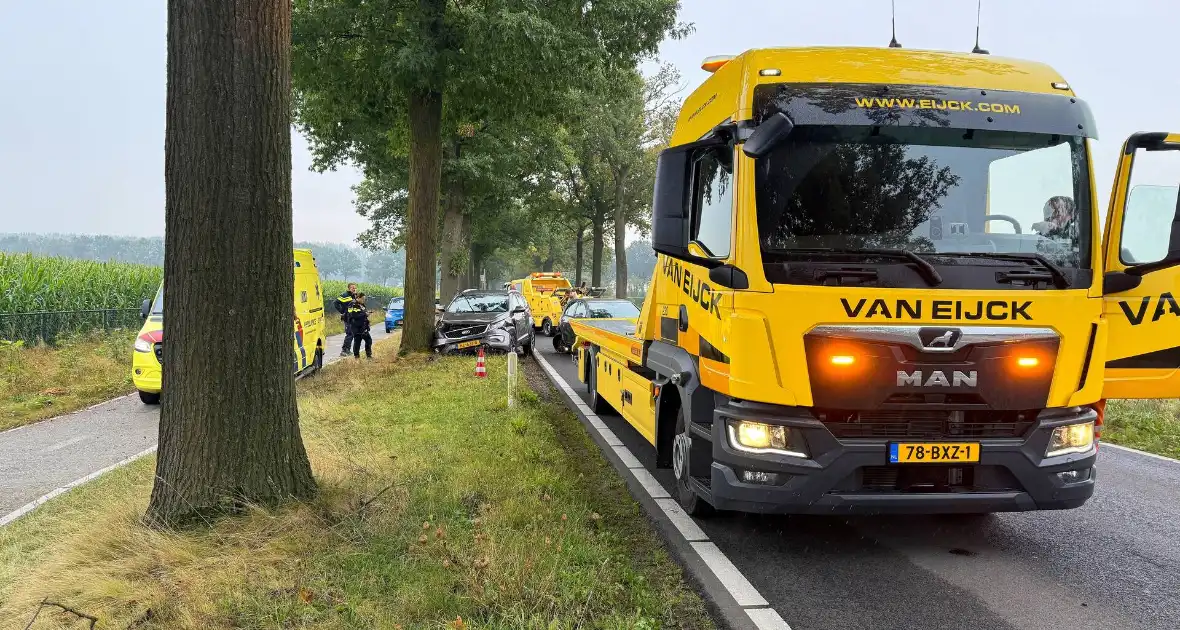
[376, 295]
[69, 295]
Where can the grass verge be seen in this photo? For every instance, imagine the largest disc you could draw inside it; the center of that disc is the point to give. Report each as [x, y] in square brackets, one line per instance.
[439, 507]
[1147, 425]
[41, 382]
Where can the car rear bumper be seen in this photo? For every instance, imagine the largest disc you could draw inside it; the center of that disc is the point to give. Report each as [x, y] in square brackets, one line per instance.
[855, 477]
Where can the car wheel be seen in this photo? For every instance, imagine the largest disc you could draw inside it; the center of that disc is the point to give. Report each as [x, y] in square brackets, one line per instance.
[558, 345]
[547, 328]
[528, 345]
[388, 329]
[681, 467]
[150, 398]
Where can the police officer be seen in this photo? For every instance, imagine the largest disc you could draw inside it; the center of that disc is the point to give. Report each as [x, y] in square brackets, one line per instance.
[346, 300]
[358, 327]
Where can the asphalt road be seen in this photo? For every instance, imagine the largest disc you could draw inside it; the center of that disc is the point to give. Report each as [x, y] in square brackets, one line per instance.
[38, 458]
[1111, 564]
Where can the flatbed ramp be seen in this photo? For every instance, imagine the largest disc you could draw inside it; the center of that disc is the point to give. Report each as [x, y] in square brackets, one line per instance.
[612, 335]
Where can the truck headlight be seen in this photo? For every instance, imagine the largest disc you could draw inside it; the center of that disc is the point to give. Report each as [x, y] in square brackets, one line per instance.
[1071, 438]
[143, 345]
[757, 437]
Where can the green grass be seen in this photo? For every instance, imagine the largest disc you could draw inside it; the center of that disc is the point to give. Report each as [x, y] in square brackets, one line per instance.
[38, 382]
[1148, 425]
[439, 507]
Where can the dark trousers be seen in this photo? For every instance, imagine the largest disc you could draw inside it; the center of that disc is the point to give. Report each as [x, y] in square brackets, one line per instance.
[356, 344]
[347, 347]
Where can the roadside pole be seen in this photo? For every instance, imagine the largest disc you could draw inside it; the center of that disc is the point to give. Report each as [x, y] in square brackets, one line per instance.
[511, 380]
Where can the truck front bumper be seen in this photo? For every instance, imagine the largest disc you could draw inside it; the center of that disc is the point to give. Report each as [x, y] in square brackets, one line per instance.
[854, 476]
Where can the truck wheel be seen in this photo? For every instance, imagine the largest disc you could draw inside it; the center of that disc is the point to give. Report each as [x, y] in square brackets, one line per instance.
[597, 404]
[547, 328]
[150, 398]
[681, 453]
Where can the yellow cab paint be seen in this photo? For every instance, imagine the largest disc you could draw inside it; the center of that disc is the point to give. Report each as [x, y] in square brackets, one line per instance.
[761, 328]
[307, 328]
[537, 289]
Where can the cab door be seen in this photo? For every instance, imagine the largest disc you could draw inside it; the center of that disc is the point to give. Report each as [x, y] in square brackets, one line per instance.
[1141, 288]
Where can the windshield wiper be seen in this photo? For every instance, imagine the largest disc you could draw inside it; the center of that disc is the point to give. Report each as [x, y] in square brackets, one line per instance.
[925, 269]
[1055, 273]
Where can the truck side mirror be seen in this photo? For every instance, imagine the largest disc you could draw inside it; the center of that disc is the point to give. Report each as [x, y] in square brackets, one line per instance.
[145, 309]
[768, 135]
[671, 217]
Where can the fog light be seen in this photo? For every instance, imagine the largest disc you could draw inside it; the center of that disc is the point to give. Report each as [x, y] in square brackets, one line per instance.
[757, 437]
[1074, 476]
[756, 476]
[1071, 438]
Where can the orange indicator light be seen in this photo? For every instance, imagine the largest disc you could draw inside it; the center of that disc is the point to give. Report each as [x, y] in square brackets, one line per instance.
[843, 359]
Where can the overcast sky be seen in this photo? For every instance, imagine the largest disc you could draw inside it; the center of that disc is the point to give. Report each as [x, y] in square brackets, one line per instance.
[82, 90]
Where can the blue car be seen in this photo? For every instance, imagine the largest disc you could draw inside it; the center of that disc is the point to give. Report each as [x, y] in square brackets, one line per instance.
[393, 313]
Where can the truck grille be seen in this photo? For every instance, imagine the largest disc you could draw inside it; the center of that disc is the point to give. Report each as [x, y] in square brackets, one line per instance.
[932, 424]
[158, 349]
[456, 331]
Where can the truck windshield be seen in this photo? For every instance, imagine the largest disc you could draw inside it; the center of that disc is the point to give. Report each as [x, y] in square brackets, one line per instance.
[972, 195]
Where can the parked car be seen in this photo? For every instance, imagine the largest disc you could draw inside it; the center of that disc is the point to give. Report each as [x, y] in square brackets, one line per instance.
[564, 338]
[495, 320]
[394, 312]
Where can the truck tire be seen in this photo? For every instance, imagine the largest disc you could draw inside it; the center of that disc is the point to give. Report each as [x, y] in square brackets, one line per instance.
[597, 403]
[149, 398]
[547, 328]
[681, 452]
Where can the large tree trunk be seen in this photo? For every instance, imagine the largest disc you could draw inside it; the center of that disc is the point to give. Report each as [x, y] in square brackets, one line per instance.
[580, 256]
[454, 248]
[621, 234]
[468, 279]
[596, 231]
[229, 425]
[421, 238]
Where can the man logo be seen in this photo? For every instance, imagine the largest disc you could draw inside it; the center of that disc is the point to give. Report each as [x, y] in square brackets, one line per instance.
[939, 339]
[937, 378]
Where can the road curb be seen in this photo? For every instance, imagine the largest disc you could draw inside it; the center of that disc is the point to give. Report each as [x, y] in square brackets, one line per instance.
[733, 602]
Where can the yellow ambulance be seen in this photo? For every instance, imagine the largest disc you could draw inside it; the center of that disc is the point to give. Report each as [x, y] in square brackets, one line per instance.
[307, 334]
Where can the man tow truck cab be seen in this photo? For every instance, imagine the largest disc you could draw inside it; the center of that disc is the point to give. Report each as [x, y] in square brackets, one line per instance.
[308, 332]
[540, 290]
[882, 285]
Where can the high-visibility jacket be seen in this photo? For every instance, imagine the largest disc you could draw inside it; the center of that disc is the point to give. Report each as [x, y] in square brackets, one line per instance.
[344, 301]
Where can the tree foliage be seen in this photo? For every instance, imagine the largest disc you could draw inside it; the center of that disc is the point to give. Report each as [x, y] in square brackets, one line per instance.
[406, 89]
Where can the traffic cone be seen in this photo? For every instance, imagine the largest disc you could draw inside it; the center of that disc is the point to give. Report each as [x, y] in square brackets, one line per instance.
[481, 370]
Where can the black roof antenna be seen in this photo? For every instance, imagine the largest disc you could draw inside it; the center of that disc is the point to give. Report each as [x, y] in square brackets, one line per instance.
[893, 20]
[977, 50]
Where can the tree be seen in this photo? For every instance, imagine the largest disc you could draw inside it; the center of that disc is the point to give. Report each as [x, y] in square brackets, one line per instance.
[229, 424]
[375, 80]
[386, 266]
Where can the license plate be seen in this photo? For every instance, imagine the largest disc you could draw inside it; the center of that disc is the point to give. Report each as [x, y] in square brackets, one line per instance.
[469, 344]
[933, 453]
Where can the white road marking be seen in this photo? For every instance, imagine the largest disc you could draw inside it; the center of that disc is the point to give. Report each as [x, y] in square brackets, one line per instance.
[731, 578]
[683, 522]
[35, 503]
[64, 443]
[767, 619]
[746, 595]
[1135, 450]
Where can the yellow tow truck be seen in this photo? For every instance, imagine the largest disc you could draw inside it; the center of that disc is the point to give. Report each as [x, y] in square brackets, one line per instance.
[544, 291]
[882, 285]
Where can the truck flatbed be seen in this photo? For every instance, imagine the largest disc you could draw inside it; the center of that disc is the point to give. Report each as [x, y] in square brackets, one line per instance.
[612, 335]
